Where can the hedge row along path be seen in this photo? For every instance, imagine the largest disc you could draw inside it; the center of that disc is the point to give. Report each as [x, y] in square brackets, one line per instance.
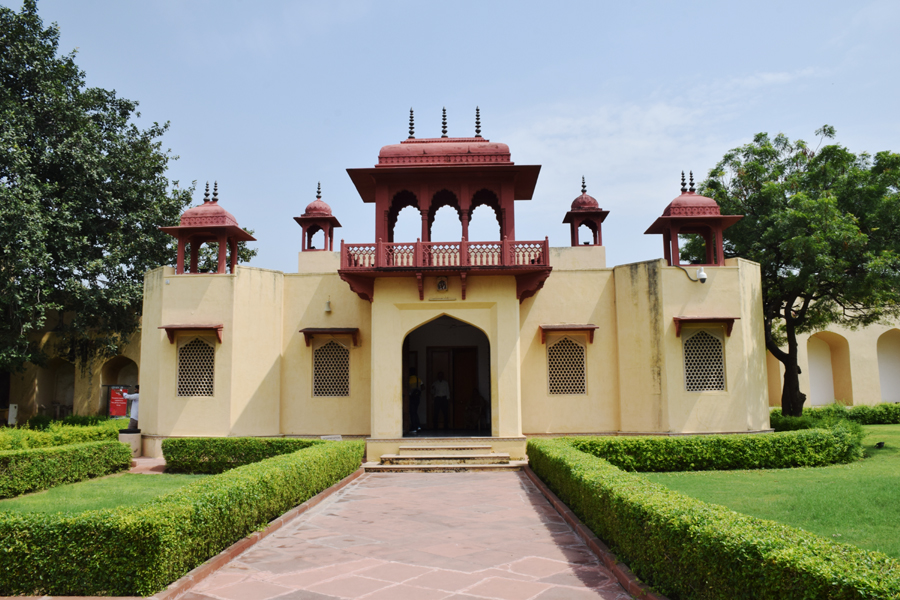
[464, 536]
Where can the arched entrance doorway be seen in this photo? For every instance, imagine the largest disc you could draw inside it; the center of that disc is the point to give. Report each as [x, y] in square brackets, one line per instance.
[447, 356]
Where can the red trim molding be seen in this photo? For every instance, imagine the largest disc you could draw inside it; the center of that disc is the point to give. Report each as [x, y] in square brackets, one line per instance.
[310, 332]
[588, 327]
[727, 321]
[171, 329]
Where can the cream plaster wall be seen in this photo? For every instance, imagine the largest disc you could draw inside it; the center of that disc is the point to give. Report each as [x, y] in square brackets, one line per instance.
[490, 305]
[306, 294]
[640, 347]
[187, 299]
[580, 291]
[854, 360]
[257, 347]
[730, 291]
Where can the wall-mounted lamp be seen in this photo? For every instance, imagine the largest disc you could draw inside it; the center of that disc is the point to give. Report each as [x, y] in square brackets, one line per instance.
[328, 306]
[701, 274]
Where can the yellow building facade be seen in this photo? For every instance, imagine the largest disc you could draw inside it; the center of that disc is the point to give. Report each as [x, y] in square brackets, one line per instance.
[529, 339]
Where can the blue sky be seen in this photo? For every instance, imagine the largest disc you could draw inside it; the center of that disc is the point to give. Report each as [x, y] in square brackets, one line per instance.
[271, 97]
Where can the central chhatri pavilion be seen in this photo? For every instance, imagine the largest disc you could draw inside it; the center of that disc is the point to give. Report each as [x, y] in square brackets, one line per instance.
[428, 174]
[527, 339]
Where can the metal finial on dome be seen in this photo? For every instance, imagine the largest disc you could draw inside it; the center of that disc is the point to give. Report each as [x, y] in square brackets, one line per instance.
[215, 191]
[683, 184]
[319, 191]
[206, 193]
[412, 125]
[583, 186]
[444, 122]
[692, 189]
[477, 122]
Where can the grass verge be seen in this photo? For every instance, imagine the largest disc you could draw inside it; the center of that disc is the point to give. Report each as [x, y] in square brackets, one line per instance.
[126, 489]
[854, 503]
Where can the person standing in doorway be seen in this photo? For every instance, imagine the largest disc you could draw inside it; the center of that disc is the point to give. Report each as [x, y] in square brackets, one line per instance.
[135, 397]
[414, 390]
[440, 391]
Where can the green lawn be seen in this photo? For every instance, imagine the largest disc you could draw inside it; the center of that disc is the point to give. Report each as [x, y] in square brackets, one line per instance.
[106, 492]
[857, 503]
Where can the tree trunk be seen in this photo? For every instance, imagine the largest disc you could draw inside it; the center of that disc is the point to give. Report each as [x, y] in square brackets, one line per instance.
[792, 398]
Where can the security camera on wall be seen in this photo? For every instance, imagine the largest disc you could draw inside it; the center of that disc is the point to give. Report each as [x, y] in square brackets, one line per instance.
[701, 275]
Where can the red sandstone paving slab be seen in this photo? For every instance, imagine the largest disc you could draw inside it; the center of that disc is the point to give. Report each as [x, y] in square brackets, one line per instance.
[507, 589]
[349, 586]
[220, 580]
[306, 579]
[539, 567]
[395, 572]
[568, 593]
[596, 577]
[406, 592]
[251, 590]
[450, 581]
[453, 550]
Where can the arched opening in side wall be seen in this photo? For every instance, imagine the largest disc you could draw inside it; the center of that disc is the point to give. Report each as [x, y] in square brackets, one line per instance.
[889, 365]
[449, 362]
[119, 370]
[829, 369]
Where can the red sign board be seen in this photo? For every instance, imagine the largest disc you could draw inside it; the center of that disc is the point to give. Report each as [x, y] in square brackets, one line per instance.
[117, 403]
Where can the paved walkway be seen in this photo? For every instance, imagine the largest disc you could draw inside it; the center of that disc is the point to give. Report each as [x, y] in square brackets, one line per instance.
[429, 536]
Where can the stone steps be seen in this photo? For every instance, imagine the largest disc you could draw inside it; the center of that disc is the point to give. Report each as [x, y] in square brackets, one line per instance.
[445, 459]
[446, 449]
[513, 465]
[438, 457]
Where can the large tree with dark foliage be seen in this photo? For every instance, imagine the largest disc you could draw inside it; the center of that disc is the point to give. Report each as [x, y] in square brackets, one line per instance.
[82, 192]
[824, 224]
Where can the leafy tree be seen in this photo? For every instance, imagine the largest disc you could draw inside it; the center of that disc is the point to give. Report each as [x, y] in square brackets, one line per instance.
[824, 224]
[82, 194]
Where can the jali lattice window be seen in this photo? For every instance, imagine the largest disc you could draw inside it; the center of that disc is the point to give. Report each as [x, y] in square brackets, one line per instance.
[196, 368]
[704, 362]
[331, 370]
[565, 364]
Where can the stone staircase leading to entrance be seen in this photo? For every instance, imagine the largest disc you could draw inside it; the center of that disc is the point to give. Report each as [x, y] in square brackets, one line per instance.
[441, 457]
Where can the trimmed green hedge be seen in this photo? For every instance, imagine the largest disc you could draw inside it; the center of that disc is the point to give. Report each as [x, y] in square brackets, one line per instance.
[57, 435]
[878, 414]
[23, 471]
[138, 551]
[217, 455]
[691, 550]
[809, 448]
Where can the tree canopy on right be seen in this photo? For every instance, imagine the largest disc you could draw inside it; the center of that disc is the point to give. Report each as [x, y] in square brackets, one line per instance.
[824, 224]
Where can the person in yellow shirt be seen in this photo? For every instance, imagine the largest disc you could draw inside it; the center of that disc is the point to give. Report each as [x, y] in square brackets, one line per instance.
[414, 389]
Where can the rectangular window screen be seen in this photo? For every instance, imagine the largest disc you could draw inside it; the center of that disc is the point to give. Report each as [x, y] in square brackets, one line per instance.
[704, 362]
[196, 368]
[566, 369]
[331, 370]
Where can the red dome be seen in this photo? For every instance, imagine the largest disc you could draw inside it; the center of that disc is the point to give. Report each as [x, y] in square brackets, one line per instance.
[585, 202]
[443, 151]
[691, 204]
[317, 208]
[208, 213]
